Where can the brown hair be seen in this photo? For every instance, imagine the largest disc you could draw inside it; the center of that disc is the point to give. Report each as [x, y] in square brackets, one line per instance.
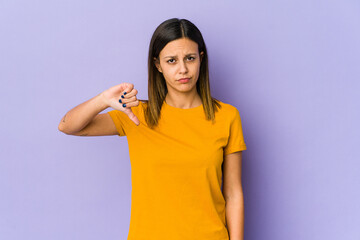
[167, 31]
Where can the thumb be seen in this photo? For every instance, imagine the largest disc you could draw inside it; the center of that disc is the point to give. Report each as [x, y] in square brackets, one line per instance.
[128, 111]
[132, 116]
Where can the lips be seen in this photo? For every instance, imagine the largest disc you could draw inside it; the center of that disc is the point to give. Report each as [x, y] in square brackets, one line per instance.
[184, 79]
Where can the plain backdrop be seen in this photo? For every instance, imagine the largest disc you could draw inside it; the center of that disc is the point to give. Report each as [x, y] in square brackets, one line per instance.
[292, 68]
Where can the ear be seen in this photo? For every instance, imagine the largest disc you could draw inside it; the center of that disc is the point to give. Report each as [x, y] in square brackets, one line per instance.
[156, 62]
[201, 55]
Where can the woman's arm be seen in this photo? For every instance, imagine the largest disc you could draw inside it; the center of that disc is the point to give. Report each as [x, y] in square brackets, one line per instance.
[233, 194]
[80, 116]
[85, 120]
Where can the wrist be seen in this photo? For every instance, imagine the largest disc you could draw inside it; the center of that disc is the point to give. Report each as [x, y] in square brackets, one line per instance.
[101, 101]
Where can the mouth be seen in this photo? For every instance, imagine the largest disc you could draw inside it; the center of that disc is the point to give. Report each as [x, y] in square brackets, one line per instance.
[184, 80]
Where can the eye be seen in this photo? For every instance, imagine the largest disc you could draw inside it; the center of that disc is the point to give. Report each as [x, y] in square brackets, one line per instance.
[168, 61]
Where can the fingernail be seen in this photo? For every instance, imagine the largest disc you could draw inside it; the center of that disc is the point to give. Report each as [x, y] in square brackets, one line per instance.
[124, 93]
[124, 105]
[122, 96]
[120, 101]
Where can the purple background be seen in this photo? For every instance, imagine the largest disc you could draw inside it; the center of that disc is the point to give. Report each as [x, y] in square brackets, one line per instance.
[292, 68]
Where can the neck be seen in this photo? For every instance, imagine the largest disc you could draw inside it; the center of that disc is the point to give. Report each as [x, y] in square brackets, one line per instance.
[183, 100]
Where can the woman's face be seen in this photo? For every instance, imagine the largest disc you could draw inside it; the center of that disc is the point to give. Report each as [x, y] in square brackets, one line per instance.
[180, 59]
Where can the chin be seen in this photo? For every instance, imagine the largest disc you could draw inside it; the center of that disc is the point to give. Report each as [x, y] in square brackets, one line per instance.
[185, 87]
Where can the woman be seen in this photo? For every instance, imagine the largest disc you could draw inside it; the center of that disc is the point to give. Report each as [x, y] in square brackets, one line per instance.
[181, 142]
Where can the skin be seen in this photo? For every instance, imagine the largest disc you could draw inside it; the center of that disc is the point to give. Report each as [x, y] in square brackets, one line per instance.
[180, 65]
[233, 194]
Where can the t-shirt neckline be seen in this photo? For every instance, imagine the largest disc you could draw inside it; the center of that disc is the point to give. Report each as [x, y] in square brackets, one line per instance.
[183, 110]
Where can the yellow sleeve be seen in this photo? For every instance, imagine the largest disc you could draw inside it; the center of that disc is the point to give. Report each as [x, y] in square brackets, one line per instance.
[118, 118]
[236, 139]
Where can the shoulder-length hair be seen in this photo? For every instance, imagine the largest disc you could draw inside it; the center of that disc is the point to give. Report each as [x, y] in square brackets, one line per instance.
[169, 30]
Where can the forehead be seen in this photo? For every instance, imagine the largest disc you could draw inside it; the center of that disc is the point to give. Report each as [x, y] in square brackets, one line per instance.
[180, 46]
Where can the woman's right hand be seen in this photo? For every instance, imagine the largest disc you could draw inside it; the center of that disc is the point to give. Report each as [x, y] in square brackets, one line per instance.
[112, 96]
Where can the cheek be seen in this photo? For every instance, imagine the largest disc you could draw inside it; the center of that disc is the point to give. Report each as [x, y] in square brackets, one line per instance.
[170, 72]
[195, 68]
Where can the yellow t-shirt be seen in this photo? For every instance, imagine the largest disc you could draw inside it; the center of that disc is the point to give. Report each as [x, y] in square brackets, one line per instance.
[176, 171]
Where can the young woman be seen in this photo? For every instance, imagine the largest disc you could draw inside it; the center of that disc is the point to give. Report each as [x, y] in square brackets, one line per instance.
[182, 142]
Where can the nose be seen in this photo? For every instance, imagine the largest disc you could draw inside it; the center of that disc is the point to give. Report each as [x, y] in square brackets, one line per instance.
[183, 67]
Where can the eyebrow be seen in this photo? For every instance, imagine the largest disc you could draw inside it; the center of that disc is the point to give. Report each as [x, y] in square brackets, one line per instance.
[176, 56]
